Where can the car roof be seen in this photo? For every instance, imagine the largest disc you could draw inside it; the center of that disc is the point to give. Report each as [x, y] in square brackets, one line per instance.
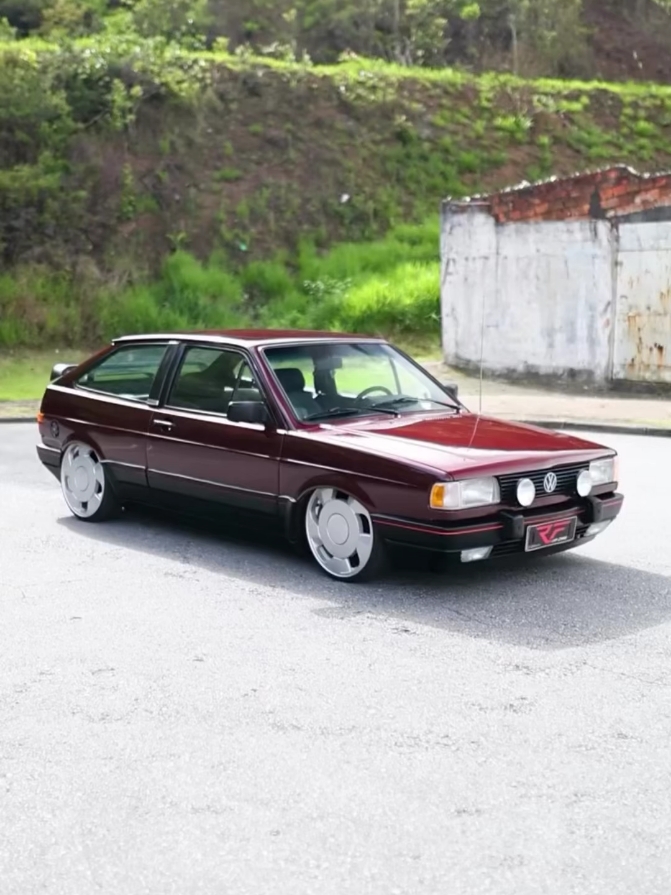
[249, 336]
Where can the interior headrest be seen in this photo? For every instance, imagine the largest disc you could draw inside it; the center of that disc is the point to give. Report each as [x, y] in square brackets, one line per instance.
[292, 379]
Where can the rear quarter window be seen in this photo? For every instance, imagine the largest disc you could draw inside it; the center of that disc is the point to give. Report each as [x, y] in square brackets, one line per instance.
[129, 372]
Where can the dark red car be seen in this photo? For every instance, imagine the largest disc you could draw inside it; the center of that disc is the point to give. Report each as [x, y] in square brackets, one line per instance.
[343, 441]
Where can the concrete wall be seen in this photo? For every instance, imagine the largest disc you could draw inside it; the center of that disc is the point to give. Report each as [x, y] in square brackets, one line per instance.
[545, 291]
[572, 278]
[642, 340]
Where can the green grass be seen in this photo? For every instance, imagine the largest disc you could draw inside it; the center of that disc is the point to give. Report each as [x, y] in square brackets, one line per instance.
[25, 374]
[386, 287]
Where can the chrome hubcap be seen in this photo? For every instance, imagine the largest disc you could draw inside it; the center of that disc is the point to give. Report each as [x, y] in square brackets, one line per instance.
[339, 531]
[82, 480]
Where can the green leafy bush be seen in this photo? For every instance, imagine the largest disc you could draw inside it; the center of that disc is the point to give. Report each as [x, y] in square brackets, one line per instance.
[404, 302]
[384, 292]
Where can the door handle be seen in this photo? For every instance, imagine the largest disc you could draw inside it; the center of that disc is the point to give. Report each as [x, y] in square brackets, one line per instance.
[163, 424]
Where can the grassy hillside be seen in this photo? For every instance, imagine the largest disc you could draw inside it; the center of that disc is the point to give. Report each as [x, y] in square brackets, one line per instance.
[145, 186]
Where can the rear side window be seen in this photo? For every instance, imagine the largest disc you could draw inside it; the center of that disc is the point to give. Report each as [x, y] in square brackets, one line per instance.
[129, 373]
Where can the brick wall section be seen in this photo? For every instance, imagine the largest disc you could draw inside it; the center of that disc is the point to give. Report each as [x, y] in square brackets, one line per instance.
[608, 193]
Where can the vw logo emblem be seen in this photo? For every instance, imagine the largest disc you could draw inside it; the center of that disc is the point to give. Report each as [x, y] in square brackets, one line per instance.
[550, 482]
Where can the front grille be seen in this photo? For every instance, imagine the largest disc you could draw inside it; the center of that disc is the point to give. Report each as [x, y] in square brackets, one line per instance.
[566, 482]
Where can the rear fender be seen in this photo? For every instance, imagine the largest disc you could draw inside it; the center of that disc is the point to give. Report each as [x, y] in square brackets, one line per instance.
[90, 440]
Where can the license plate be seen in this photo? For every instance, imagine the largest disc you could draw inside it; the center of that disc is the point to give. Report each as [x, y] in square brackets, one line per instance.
[550, 534]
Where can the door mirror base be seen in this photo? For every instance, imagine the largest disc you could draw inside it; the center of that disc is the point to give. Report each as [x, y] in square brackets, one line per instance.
[248, 412]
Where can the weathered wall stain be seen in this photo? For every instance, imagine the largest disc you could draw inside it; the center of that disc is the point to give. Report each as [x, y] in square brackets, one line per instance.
[571, 277]
[642, 350]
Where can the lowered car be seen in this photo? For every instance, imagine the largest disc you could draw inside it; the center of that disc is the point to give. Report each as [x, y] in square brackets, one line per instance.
[343, 441]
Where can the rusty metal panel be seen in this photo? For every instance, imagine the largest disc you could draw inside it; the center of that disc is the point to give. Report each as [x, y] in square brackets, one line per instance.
[642, 340]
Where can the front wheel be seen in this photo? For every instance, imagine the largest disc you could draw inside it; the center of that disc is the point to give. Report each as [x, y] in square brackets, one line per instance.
[85, 484]
[341, 536]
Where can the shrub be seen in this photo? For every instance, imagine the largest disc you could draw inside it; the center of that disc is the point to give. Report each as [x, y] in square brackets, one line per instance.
[264, 281]
[390, 287]
[405, 301]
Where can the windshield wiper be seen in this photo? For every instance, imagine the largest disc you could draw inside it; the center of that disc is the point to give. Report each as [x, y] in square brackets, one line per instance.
[335, 412]
[403, 400]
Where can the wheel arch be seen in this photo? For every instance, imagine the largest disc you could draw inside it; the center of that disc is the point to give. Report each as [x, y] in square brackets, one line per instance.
[294, 509]
[74, 437]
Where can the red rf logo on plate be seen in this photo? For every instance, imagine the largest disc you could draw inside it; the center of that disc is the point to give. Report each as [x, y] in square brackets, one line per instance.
[550, 533]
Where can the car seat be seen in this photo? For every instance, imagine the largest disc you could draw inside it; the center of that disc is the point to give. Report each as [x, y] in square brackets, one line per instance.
[292, 381]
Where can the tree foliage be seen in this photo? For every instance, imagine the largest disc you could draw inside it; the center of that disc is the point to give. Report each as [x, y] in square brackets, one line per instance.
[530, 36]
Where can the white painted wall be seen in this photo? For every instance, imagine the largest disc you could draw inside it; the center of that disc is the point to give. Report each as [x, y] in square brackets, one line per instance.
[546, 291]
[590, 299]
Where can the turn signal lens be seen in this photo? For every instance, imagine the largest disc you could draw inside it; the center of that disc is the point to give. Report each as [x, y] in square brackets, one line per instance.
[438, 497]
[40, 417]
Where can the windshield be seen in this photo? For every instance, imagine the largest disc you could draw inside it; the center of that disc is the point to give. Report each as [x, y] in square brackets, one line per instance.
[339, 379]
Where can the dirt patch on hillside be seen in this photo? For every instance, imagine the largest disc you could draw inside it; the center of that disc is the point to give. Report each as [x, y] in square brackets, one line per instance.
[267, 156]
[629, 44]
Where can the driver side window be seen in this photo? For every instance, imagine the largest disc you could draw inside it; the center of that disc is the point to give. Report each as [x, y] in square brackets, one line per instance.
[210, 378]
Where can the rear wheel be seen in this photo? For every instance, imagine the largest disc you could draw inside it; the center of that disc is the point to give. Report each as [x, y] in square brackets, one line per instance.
[341, 536]
[85, 484]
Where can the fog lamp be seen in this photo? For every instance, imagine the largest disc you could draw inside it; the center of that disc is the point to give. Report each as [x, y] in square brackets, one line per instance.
[597, 528]
[475, 554]
[584, 483]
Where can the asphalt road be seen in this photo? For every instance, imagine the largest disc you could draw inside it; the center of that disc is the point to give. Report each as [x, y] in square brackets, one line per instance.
[184, 712]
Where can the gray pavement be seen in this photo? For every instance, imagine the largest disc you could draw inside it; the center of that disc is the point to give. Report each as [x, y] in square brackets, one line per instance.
[562, 404]
[184, 712]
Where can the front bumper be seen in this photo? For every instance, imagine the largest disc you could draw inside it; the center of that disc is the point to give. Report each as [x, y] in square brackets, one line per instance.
[505, 533]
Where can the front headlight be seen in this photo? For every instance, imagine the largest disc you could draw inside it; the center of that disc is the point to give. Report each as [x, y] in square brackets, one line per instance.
[465, 493]
[603, 472]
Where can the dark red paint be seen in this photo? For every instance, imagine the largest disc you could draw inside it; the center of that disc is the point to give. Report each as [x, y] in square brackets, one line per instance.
[388, 463]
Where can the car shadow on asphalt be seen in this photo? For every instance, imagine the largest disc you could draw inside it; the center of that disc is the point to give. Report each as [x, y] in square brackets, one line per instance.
[550, 603]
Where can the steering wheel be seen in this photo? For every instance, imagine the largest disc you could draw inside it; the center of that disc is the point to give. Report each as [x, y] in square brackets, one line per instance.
[371, 389]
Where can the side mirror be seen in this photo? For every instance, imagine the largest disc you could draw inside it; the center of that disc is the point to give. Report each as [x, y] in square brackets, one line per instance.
[248, 412]
[59, 370]
[452, 389]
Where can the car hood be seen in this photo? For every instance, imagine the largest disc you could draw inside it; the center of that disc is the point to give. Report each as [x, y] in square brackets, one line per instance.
[460, 443]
